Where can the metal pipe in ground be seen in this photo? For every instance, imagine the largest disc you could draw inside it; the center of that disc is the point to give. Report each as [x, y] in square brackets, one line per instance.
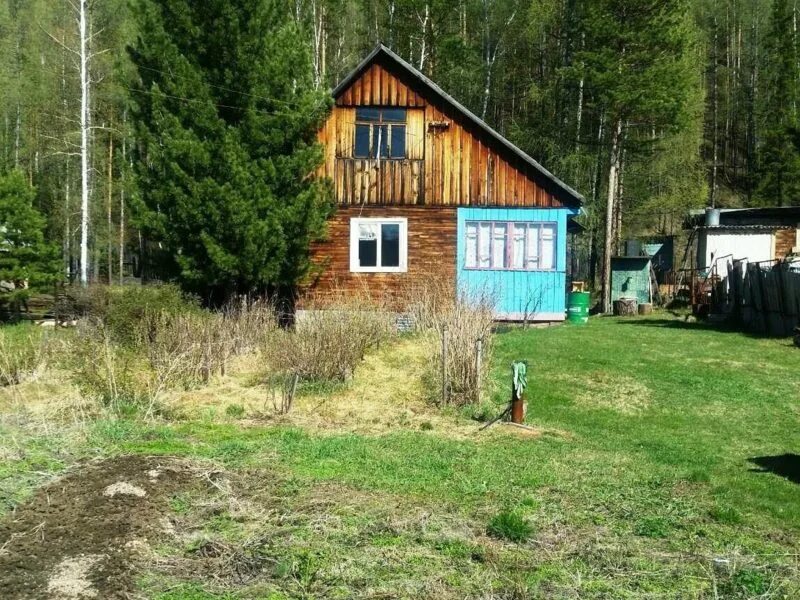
[517, 408]
[519, 381]
[444, 367]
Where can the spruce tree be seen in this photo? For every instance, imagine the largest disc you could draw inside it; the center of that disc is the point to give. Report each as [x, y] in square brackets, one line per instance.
[226, 117]
[779, 159]
[27, 261]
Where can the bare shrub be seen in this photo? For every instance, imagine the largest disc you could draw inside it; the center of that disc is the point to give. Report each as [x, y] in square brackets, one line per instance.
[179, 351]
[250, 323]
[467, 319]
[185, 350]
[330, 339]
[283, 389]
[22, 357]
[105, 372]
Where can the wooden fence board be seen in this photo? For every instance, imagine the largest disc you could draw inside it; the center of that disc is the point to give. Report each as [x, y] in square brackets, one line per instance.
[761, 300]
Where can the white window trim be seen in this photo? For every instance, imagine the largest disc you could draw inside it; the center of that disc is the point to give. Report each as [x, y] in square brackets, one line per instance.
[354, 224]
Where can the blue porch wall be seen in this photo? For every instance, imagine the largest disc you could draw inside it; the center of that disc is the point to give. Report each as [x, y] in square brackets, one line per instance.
[512, 290]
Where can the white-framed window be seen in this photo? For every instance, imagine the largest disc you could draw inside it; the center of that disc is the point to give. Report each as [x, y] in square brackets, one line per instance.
[510, 245]
[379, 245]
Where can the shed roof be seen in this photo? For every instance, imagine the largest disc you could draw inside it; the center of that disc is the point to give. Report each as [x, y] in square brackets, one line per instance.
[430, 90]
[770, 217]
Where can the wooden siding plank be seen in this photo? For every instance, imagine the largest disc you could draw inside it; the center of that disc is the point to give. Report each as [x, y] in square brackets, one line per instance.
[385, 95]
[432, 243]
[458, 168]
[402, 99]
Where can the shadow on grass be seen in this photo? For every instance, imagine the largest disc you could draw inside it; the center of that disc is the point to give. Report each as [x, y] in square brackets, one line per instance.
[676, 323]
[682, 323]
[786, 465]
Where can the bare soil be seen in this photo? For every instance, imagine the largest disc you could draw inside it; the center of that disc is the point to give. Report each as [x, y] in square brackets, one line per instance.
[79, 536]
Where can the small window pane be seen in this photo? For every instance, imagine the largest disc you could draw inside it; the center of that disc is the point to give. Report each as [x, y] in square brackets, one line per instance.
[368, 253]
[398, 141]
[390, 245]
[499, 246]
[395, 115]
[368, 114]
[484, 245]
[518, 246]
[548, 258]
[380, 140]
[368, 245]
[471, 247]
[532, 255]
[362, 141]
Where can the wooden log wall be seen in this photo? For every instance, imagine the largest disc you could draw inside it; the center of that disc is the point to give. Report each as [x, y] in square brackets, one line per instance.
[431, 257]
[785, 241]
[460, 165]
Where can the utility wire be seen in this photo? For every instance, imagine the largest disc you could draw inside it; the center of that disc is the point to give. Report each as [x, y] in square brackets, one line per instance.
[196, 100]
[219, 87]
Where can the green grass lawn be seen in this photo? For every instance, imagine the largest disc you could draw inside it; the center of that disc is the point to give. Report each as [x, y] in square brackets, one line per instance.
[659, 470]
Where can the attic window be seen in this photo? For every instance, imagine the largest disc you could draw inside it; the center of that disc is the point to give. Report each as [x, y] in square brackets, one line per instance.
[380, 133]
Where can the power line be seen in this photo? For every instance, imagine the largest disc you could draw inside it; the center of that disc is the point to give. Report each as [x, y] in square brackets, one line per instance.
[219, 87]
[219, 105]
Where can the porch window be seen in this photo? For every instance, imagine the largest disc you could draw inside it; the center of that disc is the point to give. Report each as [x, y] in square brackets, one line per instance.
[510, 245]
[380, 133]
[378, 245]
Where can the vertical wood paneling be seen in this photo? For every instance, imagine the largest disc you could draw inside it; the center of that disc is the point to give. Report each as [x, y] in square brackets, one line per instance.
[459, 169]
[511, 290]
[415, 134]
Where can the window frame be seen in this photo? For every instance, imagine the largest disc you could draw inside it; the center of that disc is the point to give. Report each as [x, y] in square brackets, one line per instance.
[355, 222]
[376, 125]
[510, 226]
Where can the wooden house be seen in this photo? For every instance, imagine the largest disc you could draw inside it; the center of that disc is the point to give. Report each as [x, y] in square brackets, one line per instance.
[428, 191]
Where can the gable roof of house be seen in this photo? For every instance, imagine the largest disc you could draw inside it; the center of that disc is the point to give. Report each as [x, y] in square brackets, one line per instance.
[432, 91]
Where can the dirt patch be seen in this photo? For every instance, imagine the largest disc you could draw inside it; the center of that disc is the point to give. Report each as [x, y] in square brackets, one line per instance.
[80, 536]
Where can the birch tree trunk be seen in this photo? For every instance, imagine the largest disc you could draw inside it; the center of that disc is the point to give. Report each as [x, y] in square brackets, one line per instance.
[84, 124]
[109, 200]
[122, 210]
[423, 52]
[613, 169]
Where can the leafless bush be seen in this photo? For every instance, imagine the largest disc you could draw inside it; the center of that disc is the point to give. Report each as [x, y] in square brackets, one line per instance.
[330, 339]
[250, 323]
[180, 351]
[22, 357]
[283, 389]
[105, 372]
[187, 349]
[464, 320]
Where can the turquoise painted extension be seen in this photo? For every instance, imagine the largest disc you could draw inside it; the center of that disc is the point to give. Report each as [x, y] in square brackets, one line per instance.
[538, 295]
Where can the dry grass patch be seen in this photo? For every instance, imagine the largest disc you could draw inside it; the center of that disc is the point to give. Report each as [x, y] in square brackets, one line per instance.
[608, 391]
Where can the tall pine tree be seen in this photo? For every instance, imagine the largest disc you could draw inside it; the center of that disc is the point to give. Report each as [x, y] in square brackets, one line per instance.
[779, 168]
[225, 117]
